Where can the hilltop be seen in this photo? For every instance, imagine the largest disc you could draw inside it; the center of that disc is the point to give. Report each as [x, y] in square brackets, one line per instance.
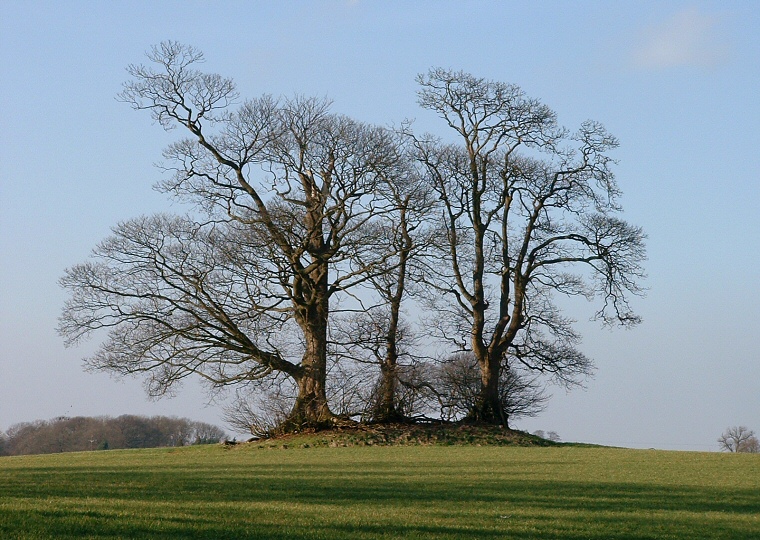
[402, 434]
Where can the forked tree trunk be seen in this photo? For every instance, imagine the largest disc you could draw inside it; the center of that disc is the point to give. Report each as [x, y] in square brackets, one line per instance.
[311, 409]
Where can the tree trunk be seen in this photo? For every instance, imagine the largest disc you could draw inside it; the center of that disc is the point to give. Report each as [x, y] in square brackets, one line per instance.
[311, 409]
[384, 409]
[488, 407]
[312, 311]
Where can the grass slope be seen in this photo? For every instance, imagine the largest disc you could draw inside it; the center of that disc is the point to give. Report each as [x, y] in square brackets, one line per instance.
[365, 492]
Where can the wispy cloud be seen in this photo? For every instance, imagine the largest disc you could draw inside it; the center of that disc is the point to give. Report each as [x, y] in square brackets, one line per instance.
[688, 38]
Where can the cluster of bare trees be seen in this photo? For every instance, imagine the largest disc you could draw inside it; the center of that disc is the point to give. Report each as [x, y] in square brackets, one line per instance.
[311, 240]
[739, 439]
[80, 433]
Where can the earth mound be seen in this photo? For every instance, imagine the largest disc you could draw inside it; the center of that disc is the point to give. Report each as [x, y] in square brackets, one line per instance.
[403, 435]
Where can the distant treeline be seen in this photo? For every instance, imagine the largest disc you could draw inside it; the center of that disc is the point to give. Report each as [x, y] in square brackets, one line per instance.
[80, 433]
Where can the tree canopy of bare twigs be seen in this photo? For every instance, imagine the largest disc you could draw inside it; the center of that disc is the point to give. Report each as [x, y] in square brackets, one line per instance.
[528, 211]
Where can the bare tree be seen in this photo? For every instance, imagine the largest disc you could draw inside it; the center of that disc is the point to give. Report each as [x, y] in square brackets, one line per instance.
[378, 334]
[739, 439]
[287, 195]
[411, 237]
[529, 211]
[752, 446]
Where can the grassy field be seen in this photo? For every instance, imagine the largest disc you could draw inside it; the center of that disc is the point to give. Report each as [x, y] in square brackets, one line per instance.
[381, 492]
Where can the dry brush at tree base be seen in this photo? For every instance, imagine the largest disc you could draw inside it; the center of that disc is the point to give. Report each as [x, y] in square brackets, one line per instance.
[446, 492]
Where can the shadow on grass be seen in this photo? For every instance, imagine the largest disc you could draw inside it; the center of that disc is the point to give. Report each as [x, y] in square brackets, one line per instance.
[320, 484]
[367, 500]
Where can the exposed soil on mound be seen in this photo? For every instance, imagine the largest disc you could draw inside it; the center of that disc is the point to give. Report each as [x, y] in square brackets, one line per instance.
[403, 435]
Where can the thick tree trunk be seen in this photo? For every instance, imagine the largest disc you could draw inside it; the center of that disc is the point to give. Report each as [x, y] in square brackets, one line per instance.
[311, 409]
[384, 409]
[312, 301]
[488, 408]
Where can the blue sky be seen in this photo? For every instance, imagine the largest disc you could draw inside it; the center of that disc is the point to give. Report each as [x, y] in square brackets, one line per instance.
[676, 82]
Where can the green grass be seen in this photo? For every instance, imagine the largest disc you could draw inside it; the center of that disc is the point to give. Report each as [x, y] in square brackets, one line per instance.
[381, 492]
